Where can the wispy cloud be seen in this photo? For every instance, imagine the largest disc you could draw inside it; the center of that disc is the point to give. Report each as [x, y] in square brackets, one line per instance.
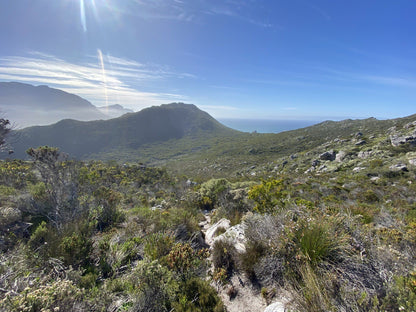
[196, 10]
[102, 79]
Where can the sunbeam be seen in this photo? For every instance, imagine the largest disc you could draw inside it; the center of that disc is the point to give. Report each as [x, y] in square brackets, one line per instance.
[101, 61]
[82, 15]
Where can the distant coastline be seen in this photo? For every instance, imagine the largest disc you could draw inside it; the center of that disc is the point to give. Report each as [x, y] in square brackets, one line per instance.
[266, 125]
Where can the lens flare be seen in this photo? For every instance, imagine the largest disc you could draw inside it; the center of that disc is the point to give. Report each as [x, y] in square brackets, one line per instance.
[82, 15]
[101, 63]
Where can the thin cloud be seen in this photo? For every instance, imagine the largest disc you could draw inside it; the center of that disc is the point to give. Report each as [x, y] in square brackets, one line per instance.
[193, 11]
[89, 80]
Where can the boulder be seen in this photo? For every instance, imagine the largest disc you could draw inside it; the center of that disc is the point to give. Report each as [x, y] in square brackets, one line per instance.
[236, 236]
[340, 156]
[360, 142]
[328, 155]
[398, 167]
[210, 234]
[412, 161]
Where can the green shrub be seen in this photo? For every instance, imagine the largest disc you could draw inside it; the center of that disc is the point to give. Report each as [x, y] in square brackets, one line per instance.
[75, 249]
[157, 246]
[198, 296]
[318, 241]
[184, 260]
[224, 255]
[402, 294]
[249, 259]
[60, 295]
[269, 196]
[40, 236]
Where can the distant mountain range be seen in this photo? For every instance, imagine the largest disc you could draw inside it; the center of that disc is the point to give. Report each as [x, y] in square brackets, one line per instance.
[113, 111]
[130, 131]
[27, 105]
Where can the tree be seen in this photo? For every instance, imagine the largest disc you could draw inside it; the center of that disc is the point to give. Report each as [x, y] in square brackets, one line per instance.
[5, 128]
[60, 183]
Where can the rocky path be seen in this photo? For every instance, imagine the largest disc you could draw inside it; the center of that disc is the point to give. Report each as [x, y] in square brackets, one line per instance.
[247, 298]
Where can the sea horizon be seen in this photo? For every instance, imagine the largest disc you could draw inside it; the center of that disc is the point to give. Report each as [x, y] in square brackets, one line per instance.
[266, 125]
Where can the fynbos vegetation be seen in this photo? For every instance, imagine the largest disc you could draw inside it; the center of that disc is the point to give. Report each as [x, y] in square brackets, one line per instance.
[331, 227]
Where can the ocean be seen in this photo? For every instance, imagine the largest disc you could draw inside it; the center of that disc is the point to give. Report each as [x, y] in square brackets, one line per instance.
[266, 125]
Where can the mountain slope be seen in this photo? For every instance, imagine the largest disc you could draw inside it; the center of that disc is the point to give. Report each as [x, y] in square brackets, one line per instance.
[28, 105]
[128, 132]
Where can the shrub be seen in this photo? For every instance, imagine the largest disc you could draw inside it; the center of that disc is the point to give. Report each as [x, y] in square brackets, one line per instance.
[60, 295]
[198, 296]
[158, 246]
[319, 240]
[249, 259]
[224, 255]
[184, 260]
[269, 196]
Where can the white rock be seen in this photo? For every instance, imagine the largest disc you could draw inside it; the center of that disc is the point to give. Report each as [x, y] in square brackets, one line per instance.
[209, 235]
[275, 307]
[236, 236]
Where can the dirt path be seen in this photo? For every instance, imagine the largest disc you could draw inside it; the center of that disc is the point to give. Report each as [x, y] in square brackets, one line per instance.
[247, 298]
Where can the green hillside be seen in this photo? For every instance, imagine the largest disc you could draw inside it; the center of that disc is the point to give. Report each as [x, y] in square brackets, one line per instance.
[126, 133]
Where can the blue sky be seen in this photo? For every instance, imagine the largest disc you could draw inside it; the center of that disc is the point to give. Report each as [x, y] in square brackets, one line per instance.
[297, 59]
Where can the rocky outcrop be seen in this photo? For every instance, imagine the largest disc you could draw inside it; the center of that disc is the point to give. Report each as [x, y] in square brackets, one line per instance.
[211, 232]
[397, 140]
[328, 155]
[407, 136]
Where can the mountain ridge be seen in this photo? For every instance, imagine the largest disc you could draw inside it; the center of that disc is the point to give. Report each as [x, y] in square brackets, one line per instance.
[29, 105]
[130, 131]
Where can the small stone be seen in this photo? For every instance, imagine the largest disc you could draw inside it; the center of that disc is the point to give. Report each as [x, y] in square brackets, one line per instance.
[357, 169]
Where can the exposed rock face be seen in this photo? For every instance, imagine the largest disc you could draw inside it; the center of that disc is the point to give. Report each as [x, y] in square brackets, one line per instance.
[328, 155]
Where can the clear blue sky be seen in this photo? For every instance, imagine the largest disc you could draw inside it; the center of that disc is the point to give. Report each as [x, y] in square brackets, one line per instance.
[299, 59]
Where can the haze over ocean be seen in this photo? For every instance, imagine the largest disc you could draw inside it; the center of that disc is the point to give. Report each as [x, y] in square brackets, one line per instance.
[266, 125]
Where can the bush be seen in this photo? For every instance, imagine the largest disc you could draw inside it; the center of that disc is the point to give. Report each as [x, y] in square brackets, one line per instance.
[269, 196]
[158, 246]
[198, 296]
[320, 240]
[224, 255]
[62, 296]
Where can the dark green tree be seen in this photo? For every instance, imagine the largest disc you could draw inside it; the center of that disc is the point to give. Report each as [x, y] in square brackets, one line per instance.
[5, 128]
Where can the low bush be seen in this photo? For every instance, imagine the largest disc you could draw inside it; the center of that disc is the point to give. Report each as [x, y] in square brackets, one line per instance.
[224, 255]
